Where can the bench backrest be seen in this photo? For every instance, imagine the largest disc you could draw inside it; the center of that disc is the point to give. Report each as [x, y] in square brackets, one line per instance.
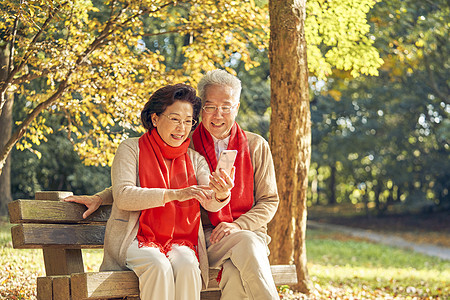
[56, 224]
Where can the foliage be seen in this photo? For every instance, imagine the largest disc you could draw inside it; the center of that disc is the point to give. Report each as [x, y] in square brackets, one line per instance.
[382, 140]
[59, 168]
[96, 62]
[337, 36]
[98, 68]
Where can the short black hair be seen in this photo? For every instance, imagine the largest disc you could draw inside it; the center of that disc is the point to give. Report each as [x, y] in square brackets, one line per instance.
[166, 96]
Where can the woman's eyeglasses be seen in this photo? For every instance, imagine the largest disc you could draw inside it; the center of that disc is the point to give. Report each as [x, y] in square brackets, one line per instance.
[177, 121]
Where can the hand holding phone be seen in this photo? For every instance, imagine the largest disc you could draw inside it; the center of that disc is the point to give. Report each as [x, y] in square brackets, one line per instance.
[226, 161]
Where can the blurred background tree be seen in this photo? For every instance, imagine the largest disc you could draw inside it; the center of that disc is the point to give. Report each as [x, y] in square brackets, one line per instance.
[383, 142]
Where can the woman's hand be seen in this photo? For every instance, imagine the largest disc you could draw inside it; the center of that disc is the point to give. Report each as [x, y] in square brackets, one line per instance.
[222, 183]
[92, 203]
[202, 193]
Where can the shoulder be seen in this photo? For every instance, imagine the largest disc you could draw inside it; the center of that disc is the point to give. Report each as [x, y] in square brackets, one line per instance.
[200, 165]
[129, 145]
[195, 156]
[256, 142]
[131, 142]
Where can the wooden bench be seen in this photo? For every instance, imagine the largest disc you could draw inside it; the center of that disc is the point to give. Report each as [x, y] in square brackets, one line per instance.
[60, 231]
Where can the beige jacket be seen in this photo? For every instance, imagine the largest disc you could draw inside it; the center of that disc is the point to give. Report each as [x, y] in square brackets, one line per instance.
[130, 199]
[264, 188]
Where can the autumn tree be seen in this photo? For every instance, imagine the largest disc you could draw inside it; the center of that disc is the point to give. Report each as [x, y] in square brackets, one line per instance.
[336, 33]
[95, 63]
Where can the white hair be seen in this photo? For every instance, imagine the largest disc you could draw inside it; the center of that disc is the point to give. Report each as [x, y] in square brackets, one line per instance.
[219, 77]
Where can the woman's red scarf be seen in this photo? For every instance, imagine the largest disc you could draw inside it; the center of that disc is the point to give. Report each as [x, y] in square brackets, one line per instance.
[242, 192]
[175, 222]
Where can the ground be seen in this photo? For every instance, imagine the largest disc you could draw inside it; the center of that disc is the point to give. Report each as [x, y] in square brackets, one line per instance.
[346, 270]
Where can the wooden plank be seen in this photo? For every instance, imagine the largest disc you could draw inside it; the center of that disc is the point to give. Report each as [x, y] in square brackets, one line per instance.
[44, 288]
[117, 284]
[52, 195]
[44, 211]
[104, 285]
[212, 282]
[76, 236]
[284, 274]
[210, 295]
[62, 261]
[61, 287]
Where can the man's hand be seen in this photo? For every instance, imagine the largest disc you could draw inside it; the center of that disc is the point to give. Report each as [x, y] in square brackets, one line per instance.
[222, 230]
[91, 202]
[222, 183]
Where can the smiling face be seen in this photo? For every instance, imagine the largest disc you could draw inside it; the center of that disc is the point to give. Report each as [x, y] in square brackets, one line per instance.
[171, 133]
[217, 123]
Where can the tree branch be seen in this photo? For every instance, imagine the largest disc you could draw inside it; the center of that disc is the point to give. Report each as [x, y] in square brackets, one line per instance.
[101, 39]
[13, 39]
[5, 84]
[20, 131]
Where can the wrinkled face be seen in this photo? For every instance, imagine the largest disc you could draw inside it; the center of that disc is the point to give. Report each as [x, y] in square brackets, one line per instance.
[173, 124]
[219, 123]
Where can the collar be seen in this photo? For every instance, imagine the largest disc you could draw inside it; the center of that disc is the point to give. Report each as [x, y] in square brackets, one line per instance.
[220, 145]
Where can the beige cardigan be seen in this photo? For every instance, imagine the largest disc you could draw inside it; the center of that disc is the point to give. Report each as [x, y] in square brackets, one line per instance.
[130, 199]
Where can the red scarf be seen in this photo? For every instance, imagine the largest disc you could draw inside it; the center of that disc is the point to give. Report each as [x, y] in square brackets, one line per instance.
[175, 222]
[242, 192]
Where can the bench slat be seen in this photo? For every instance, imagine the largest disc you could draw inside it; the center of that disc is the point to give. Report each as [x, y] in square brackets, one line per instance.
[44, 211]
[80, 236]
[284, 274]
[61, 287]
[44, 288]
[104, 285]
[93, 285]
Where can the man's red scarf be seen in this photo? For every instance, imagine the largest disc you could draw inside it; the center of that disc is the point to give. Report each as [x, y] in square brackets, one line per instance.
[175, 222]
[242, 192]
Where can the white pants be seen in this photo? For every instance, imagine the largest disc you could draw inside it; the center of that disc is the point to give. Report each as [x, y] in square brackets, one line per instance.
[176, 277]
[246, 269]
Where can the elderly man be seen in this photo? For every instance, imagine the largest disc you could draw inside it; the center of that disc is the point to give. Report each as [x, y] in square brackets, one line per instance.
[236, 235]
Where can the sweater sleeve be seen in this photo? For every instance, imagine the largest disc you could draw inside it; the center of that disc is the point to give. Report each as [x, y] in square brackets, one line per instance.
[127, 193]
[265, 186]
[106, 196]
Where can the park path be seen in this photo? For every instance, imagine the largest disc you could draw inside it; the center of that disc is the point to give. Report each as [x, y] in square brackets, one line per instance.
[390, 240]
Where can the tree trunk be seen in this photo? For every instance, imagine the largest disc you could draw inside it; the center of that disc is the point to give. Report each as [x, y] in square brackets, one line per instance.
[290, 133]
[5, 134]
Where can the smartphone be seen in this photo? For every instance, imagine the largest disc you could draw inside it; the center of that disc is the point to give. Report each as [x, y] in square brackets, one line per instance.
[226, 160]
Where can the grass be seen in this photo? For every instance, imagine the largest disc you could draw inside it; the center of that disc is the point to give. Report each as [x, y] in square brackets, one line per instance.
[340, 267]
[357, 266]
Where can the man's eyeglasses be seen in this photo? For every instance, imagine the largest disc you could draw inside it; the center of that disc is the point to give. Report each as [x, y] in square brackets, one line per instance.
[177, 121]
[226, 109]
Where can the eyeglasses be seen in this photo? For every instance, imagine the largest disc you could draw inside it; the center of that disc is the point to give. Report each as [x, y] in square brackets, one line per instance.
[177, 121]
[226, 109]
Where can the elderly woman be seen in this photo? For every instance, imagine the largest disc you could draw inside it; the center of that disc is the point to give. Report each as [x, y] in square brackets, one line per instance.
[158, 186]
